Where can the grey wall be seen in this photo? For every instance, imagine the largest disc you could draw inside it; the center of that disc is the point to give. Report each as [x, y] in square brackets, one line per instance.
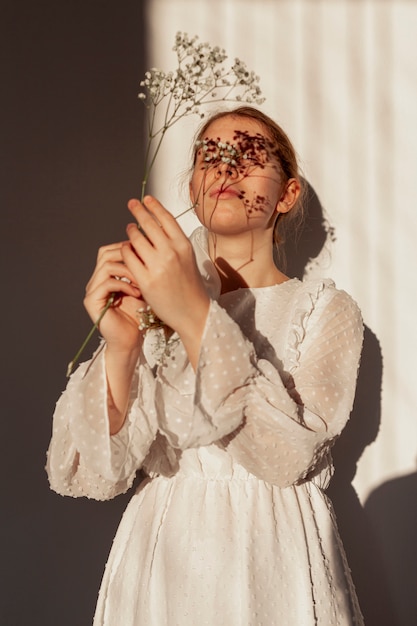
[71, 137]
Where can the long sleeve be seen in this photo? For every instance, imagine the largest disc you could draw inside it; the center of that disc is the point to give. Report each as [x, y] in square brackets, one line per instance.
[83, 458]
[197, 409]
[290, 426]
[276, 421]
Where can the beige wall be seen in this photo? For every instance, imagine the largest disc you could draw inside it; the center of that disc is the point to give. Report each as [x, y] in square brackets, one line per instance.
[340, 76]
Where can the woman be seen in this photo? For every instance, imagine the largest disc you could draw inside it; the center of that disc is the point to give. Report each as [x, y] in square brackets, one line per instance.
[234, 421]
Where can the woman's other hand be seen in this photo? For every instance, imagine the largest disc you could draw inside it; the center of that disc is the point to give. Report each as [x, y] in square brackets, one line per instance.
[119, 325]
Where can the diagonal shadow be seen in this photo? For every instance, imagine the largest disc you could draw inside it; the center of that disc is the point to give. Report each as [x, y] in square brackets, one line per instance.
[362, 550]
[392, 513]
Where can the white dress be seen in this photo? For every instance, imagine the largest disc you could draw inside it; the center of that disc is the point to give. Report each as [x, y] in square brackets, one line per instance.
[232, 527]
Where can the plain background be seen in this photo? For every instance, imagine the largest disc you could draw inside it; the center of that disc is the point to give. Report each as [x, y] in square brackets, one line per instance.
[71, 135]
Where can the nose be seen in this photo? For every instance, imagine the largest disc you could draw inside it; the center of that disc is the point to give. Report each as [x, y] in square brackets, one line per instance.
[226, 168]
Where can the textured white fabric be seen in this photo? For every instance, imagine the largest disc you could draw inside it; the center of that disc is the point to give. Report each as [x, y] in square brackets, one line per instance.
[232, 527]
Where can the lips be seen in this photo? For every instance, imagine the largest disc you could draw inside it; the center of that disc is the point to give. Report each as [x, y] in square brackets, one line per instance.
[224, 193]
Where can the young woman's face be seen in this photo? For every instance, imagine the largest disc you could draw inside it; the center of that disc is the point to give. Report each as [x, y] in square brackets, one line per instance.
[236, 183]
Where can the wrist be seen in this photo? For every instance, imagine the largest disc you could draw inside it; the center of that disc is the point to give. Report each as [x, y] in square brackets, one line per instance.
[120, 370]
[192, 330]
[122, 356]
[193, 322]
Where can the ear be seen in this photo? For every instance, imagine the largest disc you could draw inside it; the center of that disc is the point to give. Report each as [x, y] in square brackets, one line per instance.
[289, 195]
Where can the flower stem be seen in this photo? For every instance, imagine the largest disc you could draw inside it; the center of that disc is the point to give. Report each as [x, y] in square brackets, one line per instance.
[185, 91]
[72, 363]
[190, 208]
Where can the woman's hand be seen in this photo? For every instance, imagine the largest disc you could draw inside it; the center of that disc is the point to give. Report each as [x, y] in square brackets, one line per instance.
[119, 326]
[162, 263]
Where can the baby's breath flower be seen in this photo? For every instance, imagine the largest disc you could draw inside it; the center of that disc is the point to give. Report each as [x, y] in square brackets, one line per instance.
[148, 319]
[201, 78]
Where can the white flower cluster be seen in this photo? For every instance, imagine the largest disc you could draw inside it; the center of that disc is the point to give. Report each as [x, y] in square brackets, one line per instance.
[148, 319]
[219, 151]
[199, 79]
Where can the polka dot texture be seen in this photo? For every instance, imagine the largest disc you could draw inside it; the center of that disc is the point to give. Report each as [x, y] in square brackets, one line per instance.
[198, 409]
[83, 459]
[233, 526]
[277, 416]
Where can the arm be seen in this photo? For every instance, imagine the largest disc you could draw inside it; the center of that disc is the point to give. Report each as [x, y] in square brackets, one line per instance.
[197, 408]
[119, 326]
[120, 371]
[277, 424]
[83, 458]
[290, 426]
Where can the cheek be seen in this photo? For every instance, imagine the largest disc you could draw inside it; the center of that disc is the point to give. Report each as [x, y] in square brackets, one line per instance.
[193, 187]
[198, 185]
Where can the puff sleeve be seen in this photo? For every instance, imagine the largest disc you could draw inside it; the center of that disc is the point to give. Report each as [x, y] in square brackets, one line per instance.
[83, 458]
[278, 423]
[197, 409]
[293, 419]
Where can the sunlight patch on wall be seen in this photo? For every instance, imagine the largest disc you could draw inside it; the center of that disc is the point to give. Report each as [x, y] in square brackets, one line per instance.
[340, 79]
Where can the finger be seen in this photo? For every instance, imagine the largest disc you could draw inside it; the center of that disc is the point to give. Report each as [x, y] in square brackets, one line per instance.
[134, 263]
[119, 271]
[107, 269]
[159, 213]
[111, 252]
[139, 253]
[101, 292]
[164, 217]
[149, 226]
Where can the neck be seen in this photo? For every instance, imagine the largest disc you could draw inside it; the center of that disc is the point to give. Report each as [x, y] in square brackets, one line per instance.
[244, 260]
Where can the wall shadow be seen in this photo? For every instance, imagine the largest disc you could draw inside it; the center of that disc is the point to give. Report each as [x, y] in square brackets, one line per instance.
[315, 234]
[363, 550]
[72, 138]
[392, 513]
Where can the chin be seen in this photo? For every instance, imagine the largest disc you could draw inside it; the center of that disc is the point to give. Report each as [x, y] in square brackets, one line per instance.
[224, 220]
[225, 230]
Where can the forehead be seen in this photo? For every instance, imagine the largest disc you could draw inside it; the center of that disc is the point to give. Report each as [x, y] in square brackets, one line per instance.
[226, 127]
